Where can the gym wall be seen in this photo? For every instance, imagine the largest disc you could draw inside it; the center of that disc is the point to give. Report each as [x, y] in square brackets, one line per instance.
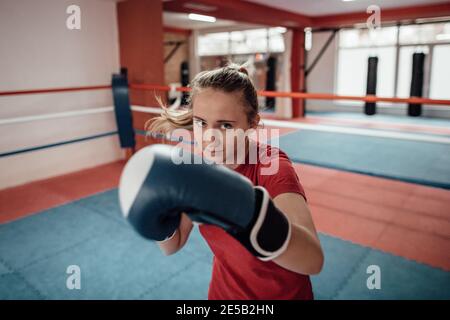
[43, 53]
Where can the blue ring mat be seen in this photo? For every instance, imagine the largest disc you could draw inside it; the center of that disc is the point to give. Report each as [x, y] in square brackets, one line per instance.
[418, 162]
[118, 264]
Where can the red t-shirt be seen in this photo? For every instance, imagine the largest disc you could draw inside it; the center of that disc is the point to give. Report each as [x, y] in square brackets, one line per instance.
[237, 274]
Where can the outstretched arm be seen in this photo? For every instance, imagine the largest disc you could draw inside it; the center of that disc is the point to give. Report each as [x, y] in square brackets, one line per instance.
[304, 253]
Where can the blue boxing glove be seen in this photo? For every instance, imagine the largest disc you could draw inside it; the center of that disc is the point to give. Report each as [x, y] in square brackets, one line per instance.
[154, 191]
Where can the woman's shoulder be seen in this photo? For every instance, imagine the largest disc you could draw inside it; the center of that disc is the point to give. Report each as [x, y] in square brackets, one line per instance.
[268, 154]
[276, 172]
[265, 160]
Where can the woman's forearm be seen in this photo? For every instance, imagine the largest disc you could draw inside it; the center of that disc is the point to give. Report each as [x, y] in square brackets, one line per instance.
[304, 254]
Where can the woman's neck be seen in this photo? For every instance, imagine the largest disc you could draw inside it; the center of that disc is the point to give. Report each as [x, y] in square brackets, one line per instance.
[233, 166]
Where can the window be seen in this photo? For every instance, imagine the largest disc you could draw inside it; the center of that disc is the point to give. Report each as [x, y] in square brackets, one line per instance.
[242, 42]
[213, 44]
[440, 70]
[427, 33]
[249, 41]
[276, 40]
[356, 38]
[356, 46]
[354, 82]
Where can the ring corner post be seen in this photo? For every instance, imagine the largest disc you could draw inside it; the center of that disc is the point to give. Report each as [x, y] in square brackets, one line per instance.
[122, 111]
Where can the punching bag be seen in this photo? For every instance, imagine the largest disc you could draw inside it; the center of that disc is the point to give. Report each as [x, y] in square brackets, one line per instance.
[184, 77]
[415, 109]
[270, 80]
[370, 107]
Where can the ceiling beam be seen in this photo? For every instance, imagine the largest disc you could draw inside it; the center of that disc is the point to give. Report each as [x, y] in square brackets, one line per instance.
[239, 10]
[185, 32]
[249, 12]
[387, 15]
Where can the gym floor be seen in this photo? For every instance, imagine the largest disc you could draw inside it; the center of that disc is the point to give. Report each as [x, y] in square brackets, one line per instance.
[369, 207]
[358, 92]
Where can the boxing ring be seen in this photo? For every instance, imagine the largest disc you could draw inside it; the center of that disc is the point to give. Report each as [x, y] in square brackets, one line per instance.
[378, 193]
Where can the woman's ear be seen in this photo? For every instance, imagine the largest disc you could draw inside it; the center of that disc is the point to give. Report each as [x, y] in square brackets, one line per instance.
[255, 121]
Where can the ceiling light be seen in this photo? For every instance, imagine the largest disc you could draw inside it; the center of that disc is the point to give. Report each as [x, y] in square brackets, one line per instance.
[308, 39]
[201, 17]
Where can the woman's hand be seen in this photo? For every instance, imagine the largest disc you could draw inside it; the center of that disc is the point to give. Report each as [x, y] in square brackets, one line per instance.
[178, 240]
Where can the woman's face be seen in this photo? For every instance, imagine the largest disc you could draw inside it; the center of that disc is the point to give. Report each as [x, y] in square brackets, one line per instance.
[217, 115]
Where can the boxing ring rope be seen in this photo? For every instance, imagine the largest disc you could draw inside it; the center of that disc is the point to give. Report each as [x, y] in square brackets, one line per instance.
[279, 94]
[310, 96]
[155, 110]
[54, 90]
[56, 115]
[318, 127]
[319, 96]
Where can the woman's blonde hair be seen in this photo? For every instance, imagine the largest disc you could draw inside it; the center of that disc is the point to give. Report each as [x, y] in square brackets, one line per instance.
[231, 78]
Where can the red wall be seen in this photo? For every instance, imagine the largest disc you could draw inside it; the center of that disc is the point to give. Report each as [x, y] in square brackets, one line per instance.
[142, 53]
[141, 49]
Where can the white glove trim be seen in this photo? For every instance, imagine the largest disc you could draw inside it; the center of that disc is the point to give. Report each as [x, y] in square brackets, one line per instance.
[270, 255]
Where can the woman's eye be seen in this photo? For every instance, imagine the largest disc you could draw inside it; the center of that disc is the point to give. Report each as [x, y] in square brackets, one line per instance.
[200, 123]
[226, 126]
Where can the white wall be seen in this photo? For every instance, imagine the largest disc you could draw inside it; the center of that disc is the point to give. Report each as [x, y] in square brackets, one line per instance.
[38, 51]
[322, 77]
